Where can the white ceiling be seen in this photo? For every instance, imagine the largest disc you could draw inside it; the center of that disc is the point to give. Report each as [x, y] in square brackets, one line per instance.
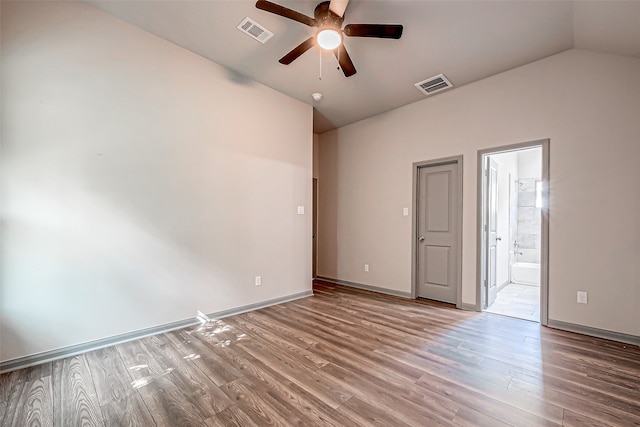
[465, 40]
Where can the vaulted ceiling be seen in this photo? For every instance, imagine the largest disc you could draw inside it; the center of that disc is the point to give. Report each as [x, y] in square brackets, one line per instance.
[464, 40]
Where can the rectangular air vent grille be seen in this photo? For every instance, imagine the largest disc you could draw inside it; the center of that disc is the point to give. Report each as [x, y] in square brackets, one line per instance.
[434, 84]
[254, 30]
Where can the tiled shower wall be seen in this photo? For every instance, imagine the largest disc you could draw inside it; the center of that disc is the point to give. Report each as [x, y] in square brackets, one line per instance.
[529, 222]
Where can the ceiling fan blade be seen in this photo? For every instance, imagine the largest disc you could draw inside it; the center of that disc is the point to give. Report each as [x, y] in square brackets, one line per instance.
[286, 12]
[298, 50]
[338, 7]
[383, 31]
[344, 60]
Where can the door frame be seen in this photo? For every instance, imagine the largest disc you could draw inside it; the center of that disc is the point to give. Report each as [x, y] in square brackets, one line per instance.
[491, 212]
[314, 230]
[544, 238]
[414, 223]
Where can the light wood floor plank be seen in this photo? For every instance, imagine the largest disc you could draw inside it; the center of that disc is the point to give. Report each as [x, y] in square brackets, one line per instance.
[110, 377]
[32, 406]
[263, 409]
[232, 416]
[623, 381]
[74, 395]
[468, 417]
[576, 403]
[209, 362]
[168, 404]
[12, 380]
[362, 413]
[130, 411]
[572, 419]
[406, 406]
[350, 348]
[302, 353]
[266, 368]
[483, 403]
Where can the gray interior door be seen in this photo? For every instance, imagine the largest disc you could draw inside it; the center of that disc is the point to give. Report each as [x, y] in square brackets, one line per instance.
[437, 228]
[492, 230]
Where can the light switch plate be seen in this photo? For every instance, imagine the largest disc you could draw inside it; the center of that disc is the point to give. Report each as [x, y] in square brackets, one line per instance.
[405, 211]
[300, 210]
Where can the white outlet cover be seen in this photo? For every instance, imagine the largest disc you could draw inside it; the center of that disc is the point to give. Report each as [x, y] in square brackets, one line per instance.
[582, 297]
[300, 210]
[405, 211]
[366, 267]
[258, 280]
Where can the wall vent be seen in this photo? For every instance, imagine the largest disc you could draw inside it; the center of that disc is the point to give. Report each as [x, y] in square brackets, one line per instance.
[434, 84]
[254, 30]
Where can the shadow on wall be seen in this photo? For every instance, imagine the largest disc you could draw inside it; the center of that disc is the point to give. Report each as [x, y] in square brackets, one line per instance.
[86, 257]
[238, 78]
[321, 123]
[328, 208]
[11, 341]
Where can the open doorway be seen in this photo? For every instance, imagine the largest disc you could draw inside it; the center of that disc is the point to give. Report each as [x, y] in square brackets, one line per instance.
[513, 231]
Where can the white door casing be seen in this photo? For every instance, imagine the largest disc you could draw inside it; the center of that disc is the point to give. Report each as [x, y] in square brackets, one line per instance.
[492, 230]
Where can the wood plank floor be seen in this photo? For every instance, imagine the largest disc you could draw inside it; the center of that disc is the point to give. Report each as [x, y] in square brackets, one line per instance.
[343, 357]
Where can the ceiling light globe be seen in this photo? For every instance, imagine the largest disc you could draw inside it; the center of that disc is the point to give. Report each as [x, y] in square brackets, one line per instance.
[329, 39]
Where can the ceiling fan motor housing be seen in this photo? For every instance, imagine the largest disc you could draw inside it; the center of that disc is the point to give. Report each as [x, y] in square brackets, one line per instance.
[327, 19]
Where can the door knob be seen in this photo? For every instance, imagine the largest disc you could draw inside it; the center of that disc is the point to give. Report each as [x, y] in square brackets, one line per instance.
[498, 238]
[421, 238]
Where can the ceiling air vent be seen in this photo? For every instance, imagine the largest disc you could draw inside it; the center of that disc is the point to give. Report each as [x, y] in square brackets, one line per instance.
[434, 84]
[254, 30]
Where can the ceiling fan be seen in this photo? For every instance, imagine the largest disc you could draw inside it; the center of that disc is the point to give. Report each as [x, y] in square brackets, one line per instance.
[328, 18]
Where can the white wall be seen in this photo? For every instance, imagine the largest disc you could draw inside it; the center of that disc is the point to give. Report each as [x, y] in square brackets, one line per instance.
[530, 163]
[140, 182]
[594, 132]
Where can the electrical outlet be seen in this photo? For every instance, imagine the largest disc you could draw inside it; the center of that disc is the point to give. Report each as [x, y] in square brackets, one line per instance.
[366, 267]
[582, 297]
[258, 280]
[405, 211]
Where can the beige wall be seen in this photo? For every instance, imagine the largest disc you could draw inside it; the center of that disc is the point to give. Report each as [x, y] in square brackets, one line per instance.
[140, 182]
[595, 181]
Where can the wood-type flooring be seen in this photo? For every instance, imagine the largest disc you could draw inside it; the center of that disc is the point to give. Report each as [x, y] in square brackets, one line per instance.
[344, 357]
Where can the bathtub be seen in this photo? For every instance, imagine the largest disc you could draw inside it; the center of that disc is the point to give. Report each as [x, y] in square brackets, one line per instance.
[525, 273]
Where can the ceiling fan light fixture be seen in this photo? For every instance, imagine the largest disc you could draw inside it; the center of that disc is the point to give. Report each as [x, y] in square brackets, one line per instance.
[328, 17]
[329, 39]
